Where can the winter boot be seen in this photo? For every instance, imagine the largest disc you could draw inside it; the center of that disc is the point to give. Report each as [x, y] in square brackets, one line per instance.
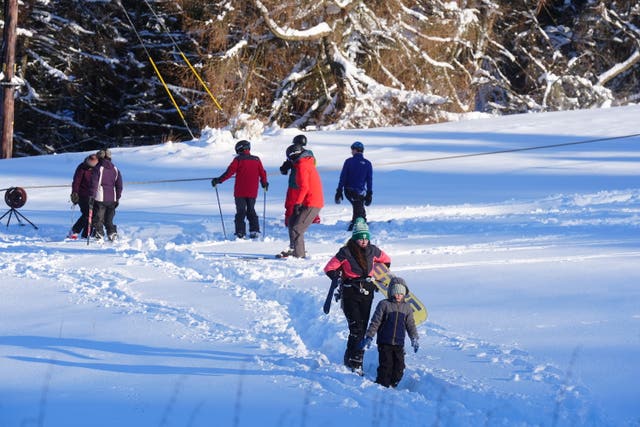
[286, 253]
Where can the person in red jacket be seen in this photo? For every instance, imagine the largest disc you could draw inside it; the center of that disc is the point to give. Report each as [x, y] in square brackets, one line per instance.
[353, 264]
[248, 170]
[304, 199]
[81, 193]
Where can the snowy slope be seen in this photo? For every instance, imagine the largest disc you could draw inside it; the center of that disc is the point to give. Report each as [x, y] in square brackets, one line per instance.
[527, 262]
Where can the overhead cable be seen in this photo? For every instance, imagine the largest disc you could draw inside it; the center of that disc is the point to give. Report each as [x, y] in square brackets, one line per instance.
[184, 57]
[431, 159]
[175, 104]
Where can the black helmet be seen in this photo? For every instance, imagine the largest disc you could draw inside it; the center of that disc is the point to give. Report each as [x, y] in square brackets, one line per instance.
[358, 146]
[300, 140]
[243, 145]
[294, 151]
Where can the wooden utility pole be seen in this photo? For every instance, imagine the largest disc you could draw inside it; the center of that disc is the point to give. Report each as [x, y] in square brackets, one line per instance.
[8, 68]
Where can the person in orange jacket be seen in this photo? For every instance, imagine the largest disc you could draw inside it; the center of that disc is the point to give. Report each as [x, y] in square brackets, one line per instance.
[304, 199]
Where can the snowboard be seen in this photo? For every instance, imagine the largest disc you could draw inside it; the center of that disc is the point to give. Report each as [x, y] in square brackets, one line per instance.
[327, 302]
[382, 277]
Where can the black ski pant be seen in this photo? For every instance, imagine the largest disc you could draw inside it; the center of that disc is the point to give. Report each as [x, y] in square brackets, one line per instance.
[356, 306]
[246, 208]
[357, 202]
[390, 364]
[81, 224]
[104, 212]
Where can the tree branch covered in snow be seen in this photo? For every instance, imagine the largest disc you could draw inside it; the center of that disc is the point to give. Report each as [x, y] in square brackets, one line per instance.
[310, 63]
[316, 32]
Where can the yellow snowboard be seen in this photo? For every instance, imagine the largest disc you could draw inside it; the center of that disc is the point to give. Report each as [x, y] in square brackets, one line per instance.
[382, 277]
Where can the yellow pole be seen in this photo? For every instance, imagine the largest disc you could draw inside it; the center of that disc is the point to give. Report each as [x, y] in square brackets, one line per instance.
[201, 81]
[175, 104]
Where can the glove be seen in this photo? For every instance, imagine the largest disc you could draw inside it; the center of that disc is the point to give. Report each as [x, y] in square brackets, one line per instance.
[297, 209]
[265, 186]
[91, 202]
[333, 274]
[286, 166]
[366, 343]
[415, 344]
[75, 198]
[116, 204]
[367, 198]
[338, 197]
[215, 181]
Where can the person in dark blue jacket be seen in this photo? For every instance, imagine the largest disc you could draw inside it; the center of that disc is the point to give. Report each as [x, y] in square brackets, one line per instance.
[356, 181]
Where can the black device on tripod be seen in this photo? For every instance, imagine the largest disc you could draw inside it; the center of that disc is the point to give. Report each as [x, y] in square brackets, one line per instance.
[15, 197]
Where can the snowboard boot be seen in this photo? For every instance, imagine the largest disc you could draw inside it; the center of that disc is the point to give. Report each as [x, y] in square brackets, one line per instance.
[286, 253]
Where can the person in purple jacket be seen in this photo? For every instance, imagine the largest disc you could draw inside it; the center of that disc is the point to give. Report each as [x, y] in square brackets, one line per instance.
[106, 188]
[356, 180]
[81, 193]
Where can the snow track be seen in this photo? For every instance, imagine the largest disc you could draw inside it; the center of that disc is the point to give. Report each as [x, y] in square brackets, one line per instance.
[276, 308]
[527, 264]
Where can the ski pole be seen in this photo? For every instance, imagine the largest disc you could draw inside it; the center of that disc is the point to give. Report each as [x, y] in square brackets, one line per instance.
[264, 214]
[89, 219]
[220, 209]
[72, 217]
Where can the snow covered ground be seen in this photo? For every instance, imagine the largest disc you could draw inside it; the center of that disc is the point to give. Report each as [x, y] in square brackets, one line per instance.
[527, 262]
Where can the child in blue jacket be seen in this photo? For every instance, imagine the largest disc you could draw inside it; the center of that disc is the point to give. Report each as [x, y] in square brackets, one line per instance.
[392, 319]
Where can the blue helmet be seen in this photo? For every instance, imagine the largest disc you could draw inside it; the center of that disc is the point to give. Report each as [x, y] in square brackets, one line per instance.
[358, 146]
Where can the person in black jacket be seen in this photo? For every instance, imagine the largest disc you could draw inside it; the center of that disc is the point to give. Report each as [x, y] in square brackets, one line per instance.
[287, 165]
[391, 320]
[354, 264]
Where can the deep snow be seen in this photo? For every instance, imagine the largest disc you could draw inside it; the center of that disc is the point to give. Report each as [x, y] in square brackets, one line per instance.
[527, 262]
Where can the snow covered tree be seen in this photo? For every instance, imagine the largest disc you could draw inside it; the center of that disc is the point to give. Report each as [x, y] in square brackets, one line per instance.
[87, 81]
[559, 55]
[378, 63]
[89, 70]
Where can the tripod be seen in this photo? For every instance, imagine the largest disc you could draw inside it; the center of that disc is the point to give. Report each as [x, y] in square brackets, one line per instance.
[18, 215]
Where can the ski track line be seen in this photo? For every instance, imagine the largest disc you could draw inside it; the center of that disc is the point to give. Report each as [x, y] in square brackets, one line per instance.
[111, 288]
[293, 335]
[423, 382]
[522, 261]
